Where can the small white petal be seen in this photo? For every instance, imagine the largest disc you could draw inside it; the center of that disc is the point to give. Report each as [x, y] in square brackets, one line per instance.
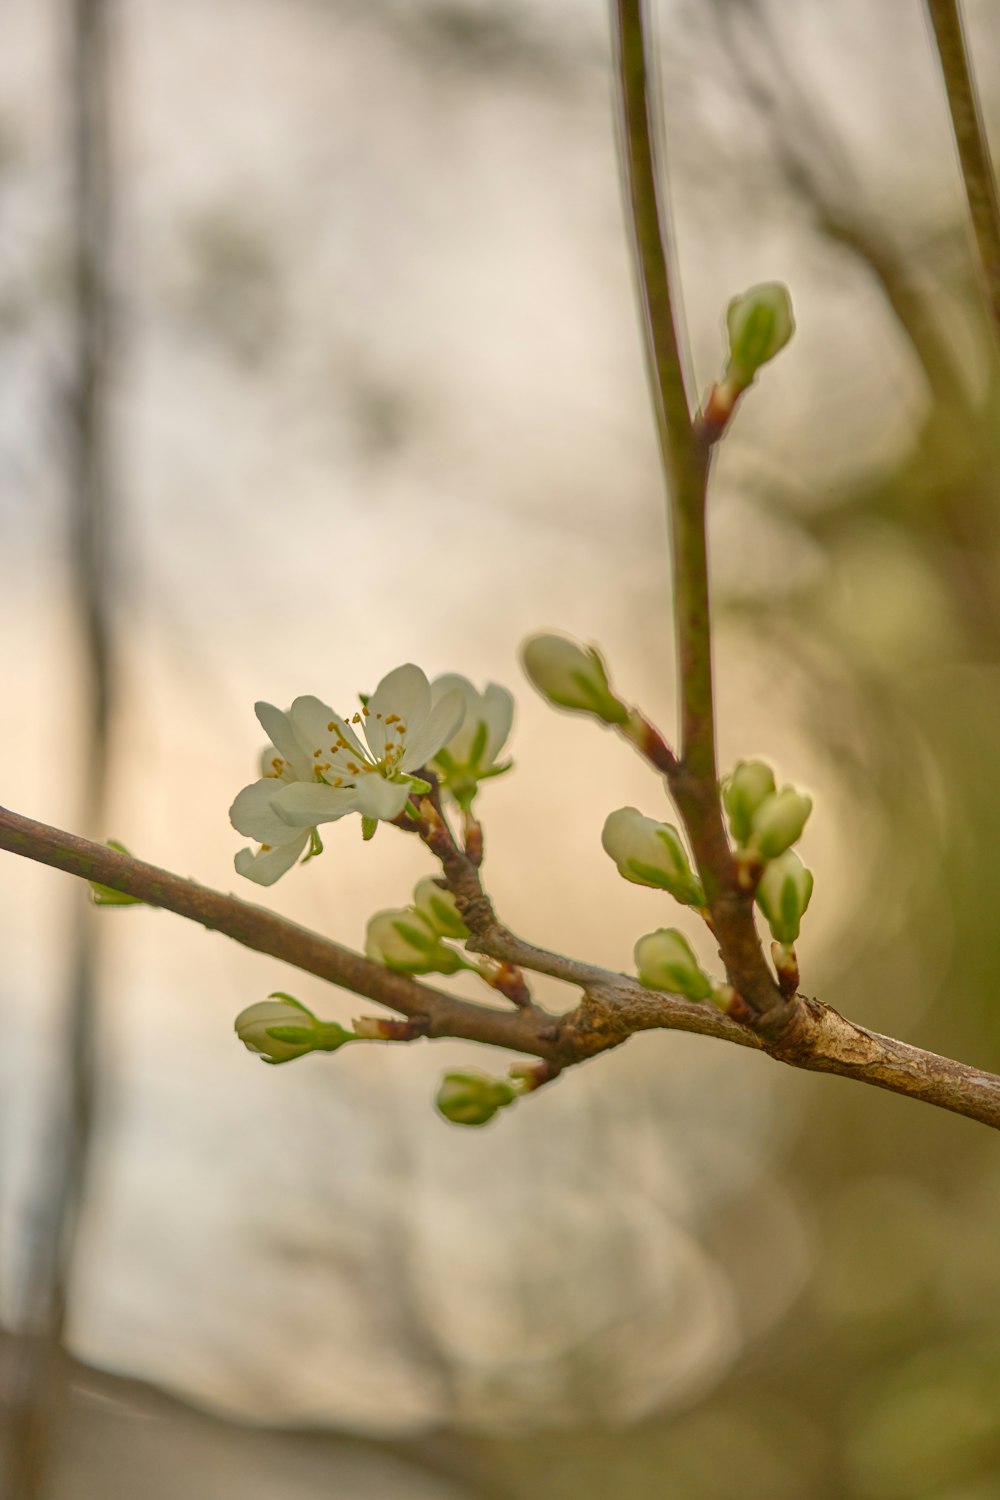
[306, 803]
[378, 798]
[268, 865]
[253, 815]
[424, 742]
[311, 718]
[404, 691]
[498, 713]
[279, 730]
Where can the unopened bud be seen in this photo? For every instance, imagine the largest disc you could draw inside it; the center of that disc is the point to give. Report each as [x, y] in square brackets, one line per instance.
[783, 895]
[779, 821]
[405, 941]
[572, 676]
[750, 784]
[438, 909]
[665, 961]
[281, 1029]
[651, 853]
[472, 1098]
[760, 324]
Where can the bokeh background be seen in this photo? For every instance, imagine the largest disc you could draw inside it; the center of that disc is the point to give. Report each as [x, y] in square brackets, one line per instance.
[371, 391]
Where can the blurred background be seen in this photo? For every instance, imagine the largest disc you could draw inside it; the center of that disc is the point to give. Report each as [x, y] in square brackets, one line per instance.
[319, 353]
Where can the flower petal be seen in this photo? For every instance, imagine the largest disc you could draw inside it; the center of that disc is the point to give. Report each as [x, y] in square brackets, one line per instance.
[425, 740]
[280, 731]
[378, 798]
[253, 814]
[265, 866]
[311, 718]
[306, 803]
[405, 692]
[498, 714]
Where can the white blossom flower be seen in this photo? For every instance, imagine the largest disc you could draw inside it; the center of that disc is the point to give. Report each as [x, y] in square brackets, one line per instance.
[290, 758]
[470, 755]
[404, 730]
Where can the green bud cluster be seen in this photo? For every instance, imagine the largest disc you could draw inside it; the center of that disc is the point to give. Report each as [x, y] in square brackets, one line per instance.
[765, 822]
[665, 961]
[411, 939]
[280, 1029]
[473, 1098]
[572, 676]
[759, 324]
[651, 853]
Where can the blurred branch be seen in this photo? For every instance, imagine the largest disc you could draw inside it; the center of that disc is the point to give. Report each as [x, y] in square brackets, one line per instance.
[810, 157]
[614, 1006]
[973, 147]
[39, 1372]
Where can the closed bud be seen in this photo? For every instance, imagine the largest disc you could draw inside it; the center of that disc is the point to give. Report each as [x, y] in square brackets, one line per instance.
[783, 895]
[750, 784]
[760, 324]
[472, 1098]
[572, 676]
[405, 941]
[280, 1029]
[651, 853]
[438, 909]
[665, 961]
[779, 821]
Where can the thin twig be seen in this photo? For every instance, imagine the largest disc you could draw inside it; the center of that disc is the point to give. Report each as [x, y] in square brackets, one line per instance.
[973, 147]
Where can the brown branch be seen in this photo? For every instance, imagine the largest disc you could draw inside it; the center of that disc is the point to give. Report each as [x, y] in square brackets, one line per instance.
[267, 933]
[973, 147]
[614, 1006]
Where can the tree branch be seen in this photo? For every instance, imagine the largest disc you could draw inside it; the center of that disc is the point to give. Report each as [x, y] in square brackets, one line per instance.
[973, 147]
[685, 452]
[614, 1006]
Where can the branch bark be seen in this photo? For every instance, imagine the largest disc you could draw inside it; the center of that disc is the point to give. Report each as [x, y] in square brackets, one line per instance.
[614, 1006]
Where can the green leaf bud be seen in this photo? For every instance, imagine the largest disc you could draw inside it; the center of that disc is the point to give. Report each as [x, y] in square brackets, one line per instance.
[280, 1029]
[438, 909]
[572, 676]
[751, 783]
[760, 324]
[665, 961]
[404, 940]
[779, 821]
[472, 1098]
[651, 853]
[783, 895]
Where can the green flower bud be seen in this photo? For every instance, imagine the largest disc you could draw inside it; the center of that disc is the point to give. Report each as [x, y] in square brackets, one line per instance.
[404, 940]
[438, 909]
[472, 1098]
[572, 677]
[665, 961]
[760, 324]
[783, 895]
[750, 784]
[651, 853]
[280, 1029]
[779, 821]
